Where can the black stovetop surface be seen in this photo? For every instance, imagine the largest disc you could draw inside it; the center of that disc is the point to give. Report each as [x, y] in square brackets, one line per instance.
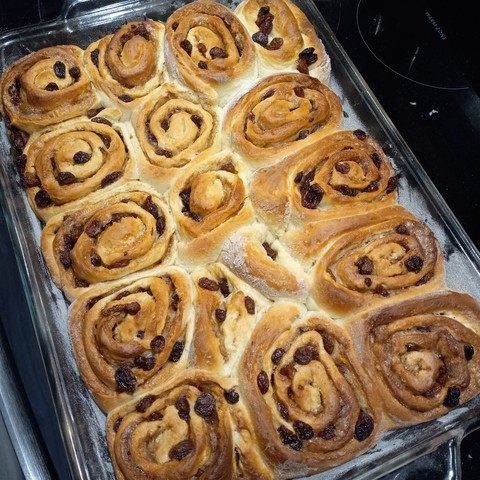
[420, 58]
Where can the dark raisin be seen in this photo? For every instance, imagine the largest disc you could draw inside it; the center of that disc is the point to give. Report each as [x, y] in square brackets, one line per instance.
[262, 13]
[229, 167]
[442, 376]
[274, 44]
[289, 438]
[283, 411]
[364, 265]
[201, 47]
[205, 405]
[266, 26]
[342, 167]
[30, 180]
[81, 157]
[260, 38]
[174, 26]
[224, 288]
[303, 134]
[392, 184]
[183, 408]
[402, 229]
[217, 52]
[220, 314]
[231, 396]
[125, 98]
[187, 46]
[411, 347]
[249, 305]
[93, 112]
[75, 73]
[125, 379]
[347, 191]
[111, 178]
[66, 178]
[309, 55]
[377, 160]
[423, 329]
[202, 65]
[303, 430]
[142, 31]
[328, 344]
[302, 66]
[131, 308]
[414, 264]
[371, 187]
[425, 279]
[155, 416]
[237, 456]
[145, 403]
[79, 283]
[208, 284]
[20, 139]
[328, 433]
[140, 334]
[181, 450]
[305, 354]
[469, 352]
[176, 352]
[95, 260]
[268, 94]
[196, 120]
[452, 398]
[298, 177]
[42, 199]
[312, 196]
[164, 153]
[299, 92]
[65, 259]
[364, 426]
[381, 290]
[94, 229]
[51, 87]
[277, 355]
[262, 382]
[368, 282]
[59, 69]
[116, 425]
[101, 120]
[360, 134]
[21, 163]
[157, 344]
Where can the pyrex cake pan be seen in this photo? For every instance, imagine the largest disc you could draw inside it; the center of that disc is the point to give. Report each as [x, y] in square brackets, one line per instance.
[81, 422]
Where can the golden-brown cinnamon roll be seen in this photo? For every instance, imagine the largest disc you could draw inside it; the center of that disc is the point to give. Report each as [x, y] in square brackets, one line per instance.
[173, 128]
[128, 231]
[132, 336]
[46, 87]
[280, 115]
[209, 202]
[184, 429]
[369, 259]
[210, 50]
[226, 313]
[422, 353]
[128, 64]
[343, 174]
[63, 165]
[312, 405]
[257, 257]
[284, 38]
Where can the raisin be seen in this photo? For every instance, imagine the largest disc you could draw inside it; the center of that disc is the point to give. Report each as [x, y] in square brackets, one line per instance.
[217, 52]
[65, 259]
[442, 376]
[187, 46]
[176, 352]
[66, 178]
[328, 344]
[304, 355]
[164, 153]
[202, 65]
[59, 69]
[309, 55]
[125, 379]
[95, 260]
[364, 426]
[342, 167]
[141, 30]
[360, 134]
[312, 196]
[364, 265]
[303, 430]
[174, 26]
[274, 44]
[371, 187]
[402, 229]
[101, 120]
[111, 178]
[469, 352]
[183, 408]
[262, 382]
[30, 180]
[392, 184]
[426, 278]
[155, 416]
[94, 229]
[368, 282]
[196, 120]
[289, 438]
[224, 288]
[181, 450]
[452, 399]
[94, 56]
[131, 308]
[299, 92]
[75, 73]
[303, 134]
[81, 157]
[381, 290]
[302, 66]
[414, 264]
[125, 98]
[298, 177]
[268, 94]
[283, 411]
[208, 284]
[93, 112]
[277, 355]
[21, 163]
[377, 160]
[249, 305]
[51, 87]
[116, 425]
[42, 199]
[347, 191]
[411, 347]
[205, 405]
[262, 13]
[260, 38]
[157, 344]
[231, 396]
[220, 314]
[20, 139]
[145, 403]
[202, 48]
[328, 433]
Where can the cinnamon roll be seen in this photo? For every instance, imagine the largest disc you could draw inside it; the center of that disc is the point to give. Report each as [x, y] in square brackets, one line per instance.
[210, 50]
[184, 429]
[369, 259]
[280, 115]
[173, 128]
[257, 257]
[209, 202]
[422, 353]
[311, 403]
[46, 87]
[343, 174]
[284, 38]
[128, 231]
[132, 336]
[128, 64]
[226, 313]
[63, 165]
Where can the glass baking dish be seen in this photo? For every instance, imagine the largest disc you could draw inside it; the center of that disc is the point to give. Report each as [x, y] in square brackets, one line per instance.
[80, 420]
